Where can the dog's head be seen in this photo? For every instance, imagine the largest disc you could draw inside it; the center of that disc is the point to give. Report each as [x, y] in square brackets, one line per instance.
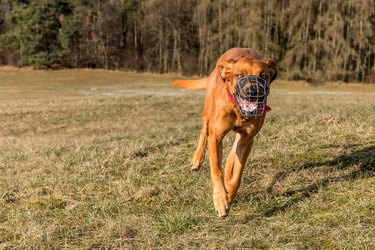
[249, 81]
[231, 71]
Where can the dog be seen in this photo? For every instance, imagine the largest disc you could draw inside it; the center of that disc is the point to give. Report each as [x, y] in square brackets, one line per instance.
[236, 92]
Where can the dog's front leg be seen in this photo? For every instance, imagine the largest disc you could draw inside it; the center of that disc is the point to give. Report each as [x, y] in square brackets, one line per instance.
[235, 164]
[220, 197]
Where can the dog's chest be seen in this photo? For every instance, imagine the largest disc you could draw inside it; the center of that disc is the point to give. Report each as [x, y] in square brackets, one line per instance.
[246, 126]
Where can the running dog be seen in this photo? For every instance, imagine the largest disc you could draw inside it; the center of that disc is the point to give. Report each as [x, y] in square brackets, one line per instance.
[236, 99]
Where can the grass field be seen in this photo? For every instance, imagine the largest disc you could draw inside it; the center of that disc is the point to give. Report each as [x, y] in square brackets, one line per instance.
[96, 159]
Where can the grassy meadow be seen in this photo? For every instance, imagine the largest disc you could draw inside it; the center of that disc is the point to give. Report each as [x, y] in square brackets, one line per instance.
[95, 159]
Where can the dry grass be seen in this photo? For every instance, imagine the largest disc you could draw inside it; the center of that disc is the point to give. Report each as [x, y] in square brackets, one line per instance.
[95, 159]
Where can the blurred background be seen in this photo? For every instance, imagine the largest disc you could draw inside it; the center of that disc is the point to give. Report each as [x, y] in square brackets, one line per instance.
[319, 40]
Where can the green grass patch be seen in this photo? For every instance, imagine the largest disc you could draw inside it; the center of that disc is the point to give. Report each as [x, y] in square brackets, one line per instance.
[96, 159]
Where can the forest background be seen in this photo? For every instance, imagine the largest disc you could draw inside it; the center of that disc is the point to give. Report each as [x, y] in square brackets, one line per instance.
[317, 40]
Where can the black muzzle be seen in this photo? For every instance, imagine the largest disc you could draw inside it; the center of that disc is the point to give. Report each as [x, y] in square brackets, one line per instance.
[250, 94]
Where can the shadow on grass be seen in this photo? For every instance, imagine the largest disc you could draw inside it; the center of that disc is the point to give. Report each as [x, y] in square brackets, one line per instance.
[363, 158]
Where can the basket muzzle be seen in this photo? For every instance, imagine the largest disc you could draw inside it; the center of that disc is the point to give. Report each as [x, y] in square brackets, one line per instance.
[251, 96]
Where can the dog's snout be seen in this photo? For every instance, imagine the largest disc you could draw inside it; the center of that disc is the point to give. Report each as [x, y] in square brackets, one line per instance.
[251, 91]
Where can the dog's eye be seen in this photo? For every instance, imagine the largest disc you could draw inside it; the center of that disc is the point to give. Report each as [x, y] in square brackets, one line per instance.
[263, 75]
[239, 75]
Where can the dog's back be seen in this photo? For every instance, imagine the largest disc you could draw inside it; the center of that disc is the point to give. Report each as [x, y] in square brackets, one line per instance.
[233, 54]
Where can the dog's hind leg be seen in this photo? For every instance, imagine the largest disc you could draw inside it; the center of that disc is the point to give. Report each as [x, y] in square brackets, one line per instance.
[235, 164]
[229, 165]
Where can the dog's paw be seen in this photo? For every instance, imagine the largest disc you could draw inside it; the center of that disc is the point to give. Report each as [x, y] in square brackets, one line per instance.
[231, 196]
[231, 192]
[195, 166]
[221, 203]
[197, 161]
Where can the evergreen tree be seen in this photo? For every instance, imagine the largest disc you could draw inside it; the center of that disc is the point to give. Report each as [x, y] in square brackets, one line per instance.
[34, 31]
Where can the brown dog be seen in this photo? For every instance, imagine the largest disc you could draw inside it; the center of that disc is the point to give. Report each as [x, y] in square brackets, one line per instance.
[222, 114]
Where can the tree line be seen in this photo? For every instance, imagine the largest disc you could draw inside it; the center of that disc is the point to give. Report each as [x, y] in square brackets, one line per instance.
[315, 40]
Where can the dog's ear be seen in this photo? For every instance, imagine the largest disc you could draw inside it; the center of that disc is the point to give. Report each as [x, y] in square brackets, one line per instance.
[225, 68]
[272, 68]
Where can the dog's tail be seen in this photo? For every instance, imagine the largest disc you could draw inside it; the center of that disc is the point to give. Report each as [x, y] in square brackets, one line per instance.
[190, 84]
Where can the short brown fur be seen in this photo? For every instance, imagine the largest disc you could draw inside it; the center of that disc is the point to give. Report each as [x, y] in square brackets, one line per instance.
[220, 116]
